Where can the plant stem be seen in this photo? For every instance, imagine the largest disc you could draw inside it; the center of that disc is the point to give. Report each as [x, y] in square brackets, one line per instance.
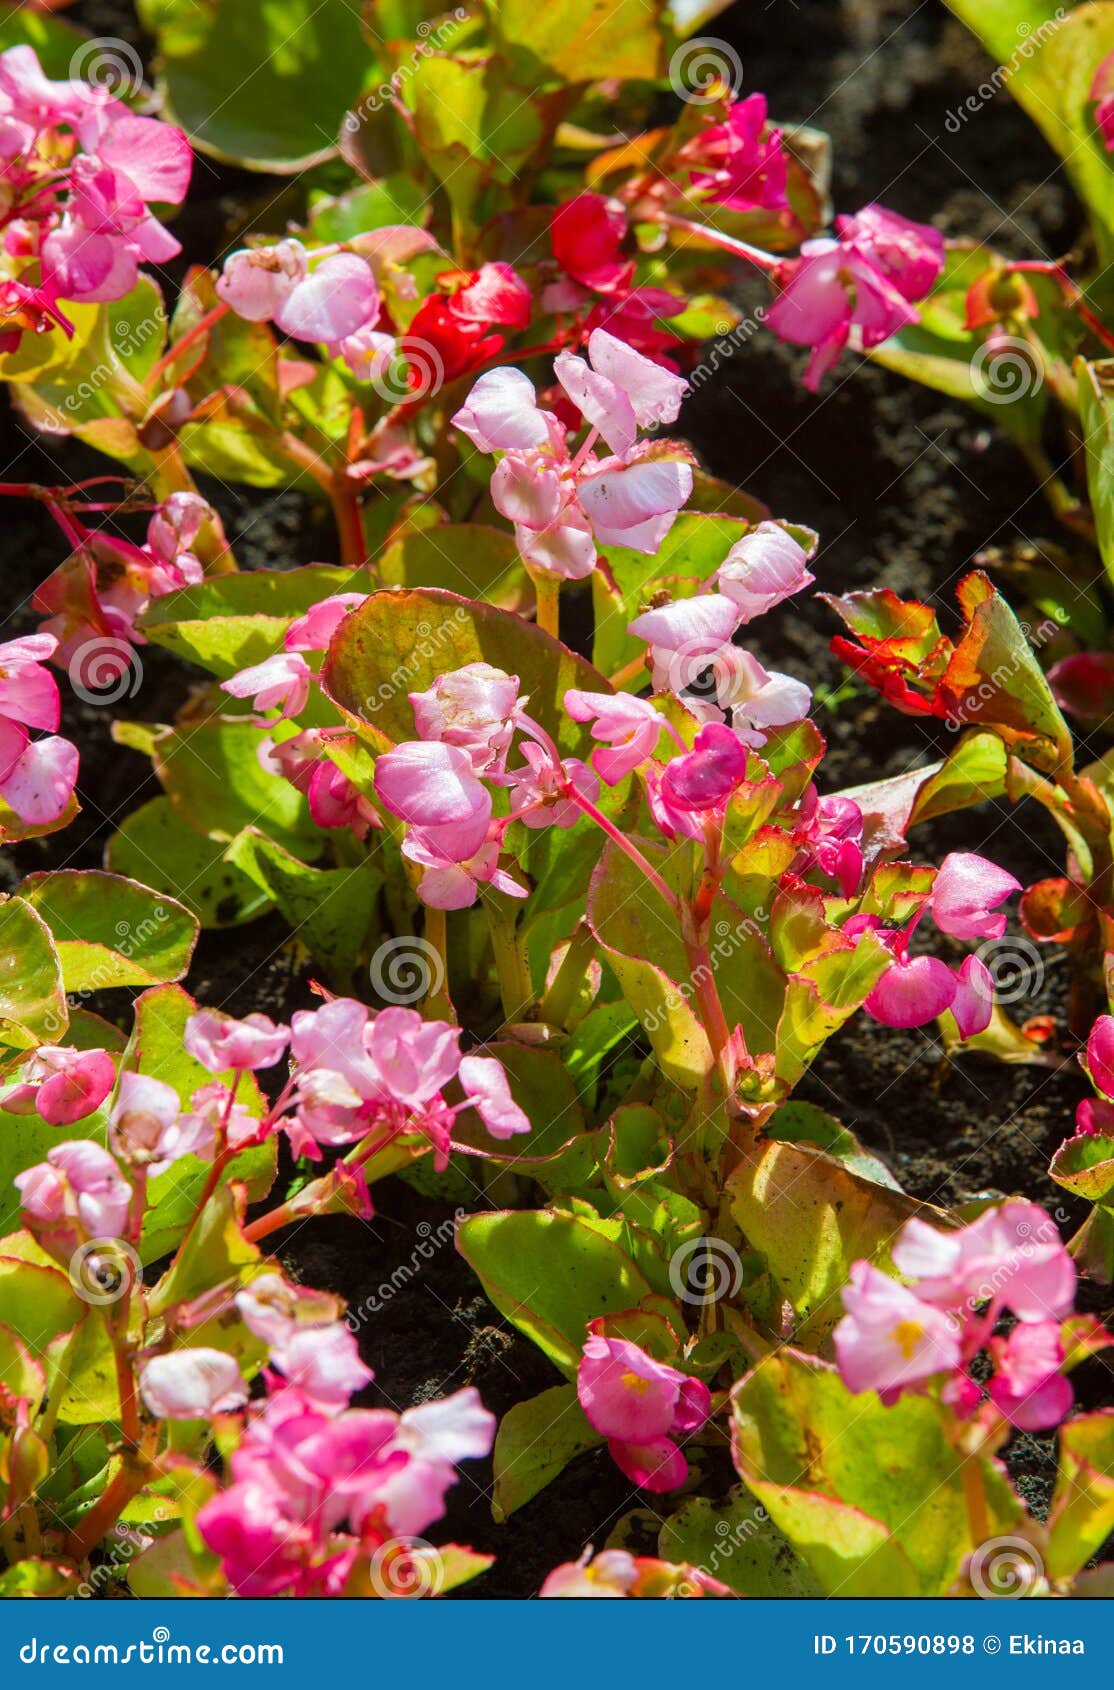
[349, 521]
[625, 845]
[515, 986]
[190, 338]
[556, 1005]
[728, 243]
[547, 597]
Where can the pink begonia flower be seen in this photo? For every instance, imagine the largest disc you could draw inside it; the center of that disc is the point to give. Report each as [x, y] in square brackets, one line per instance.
[388, 1073]
[474, 708]
[636, 1401]
[314, 630]
[619, 391]
[28, 692]
[501, 413]
[911, 255]
[256, 281]
[452, 883]
[78, 1193]
[756, 699]
[736, 164]
[830, 290]
[62, 1085]
[1100, 1055]
[629, 728]
[912, 991]
[436, 1436]
[634, 504]
[214, 1113]
[144, 1121]
[37, 777]
[705, 777]
[1102, 93]
[433, 786]
[1094, 1117]
[369, 353]
[763, 568]
[966, 890]
[612, 1573]
[587, 234]
[1011, 1257]
[565, 547]
[973, 1004]
[684, 637]
[219, 1041]
[888, 1339]
[830, 830]
[1028, 1387]
[335, 802]
[323, 1363]
[281, 682]
[538, 789]
[192, 1384]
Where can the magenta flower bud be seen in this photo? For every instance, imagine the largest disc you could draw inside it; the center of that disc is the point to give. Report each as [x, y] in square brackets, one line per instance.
[1100, 1055]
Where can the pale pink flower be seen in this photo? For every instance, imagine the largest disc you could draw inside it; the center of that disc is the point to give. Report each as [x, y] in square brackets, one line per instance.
[613, 1573]
[475, 708]
[436, 1436]
[78, 1193]
[966, 890]
[629, 728]
[685, 637]
[192, 1384]
[1010, 1257]
[636, 1401]
[619, 391]
[433, 786]
[501, 413]
[1028, 1387]
[314, 631]
[144, 1121]
[256, 281]
[634, 503]
[220, 1041]
[763, 568]
[452, 883]
[281, 682]
[888, 1339]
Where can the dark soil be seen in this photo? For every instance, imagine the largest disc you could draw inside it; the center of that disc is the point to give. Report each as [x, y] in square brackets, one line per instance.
[905, 488]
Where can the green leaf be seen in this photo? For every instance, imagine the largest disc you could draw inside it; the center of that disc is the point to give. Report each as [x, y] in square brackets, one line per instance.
[229, 622]
[585, 39]
[736, 1542]
[33, 1007]
[215, 1251]
[35, 1578]
[535, 1443]
[811, 1217]
[330, 910]
[212, 775]
[1004, 26]
[1085, 1165]
[155, 845]
[460, 557]
[38, 1302]
[872, 1498]
[110, 931]
[804, 1123]
[550, 1274]
[262, 83]
[1096, 410]
[1082, 1514]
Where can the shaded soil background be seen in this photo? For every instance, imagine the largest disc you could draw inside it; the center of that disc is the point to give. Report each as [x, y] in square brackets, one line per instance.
[905, 488]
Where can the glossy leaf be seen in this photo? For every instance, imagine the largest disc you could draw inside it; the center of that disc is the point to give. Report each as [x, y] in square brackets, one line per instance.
[111, 931]
[535, 1443]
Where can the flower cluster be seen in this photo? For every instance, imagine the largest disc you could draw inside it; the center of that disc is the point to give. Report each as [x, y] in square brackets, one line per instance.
[80, 175]
[638, 1403]
[37, 776]
[565, 506]
[898, 1337]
